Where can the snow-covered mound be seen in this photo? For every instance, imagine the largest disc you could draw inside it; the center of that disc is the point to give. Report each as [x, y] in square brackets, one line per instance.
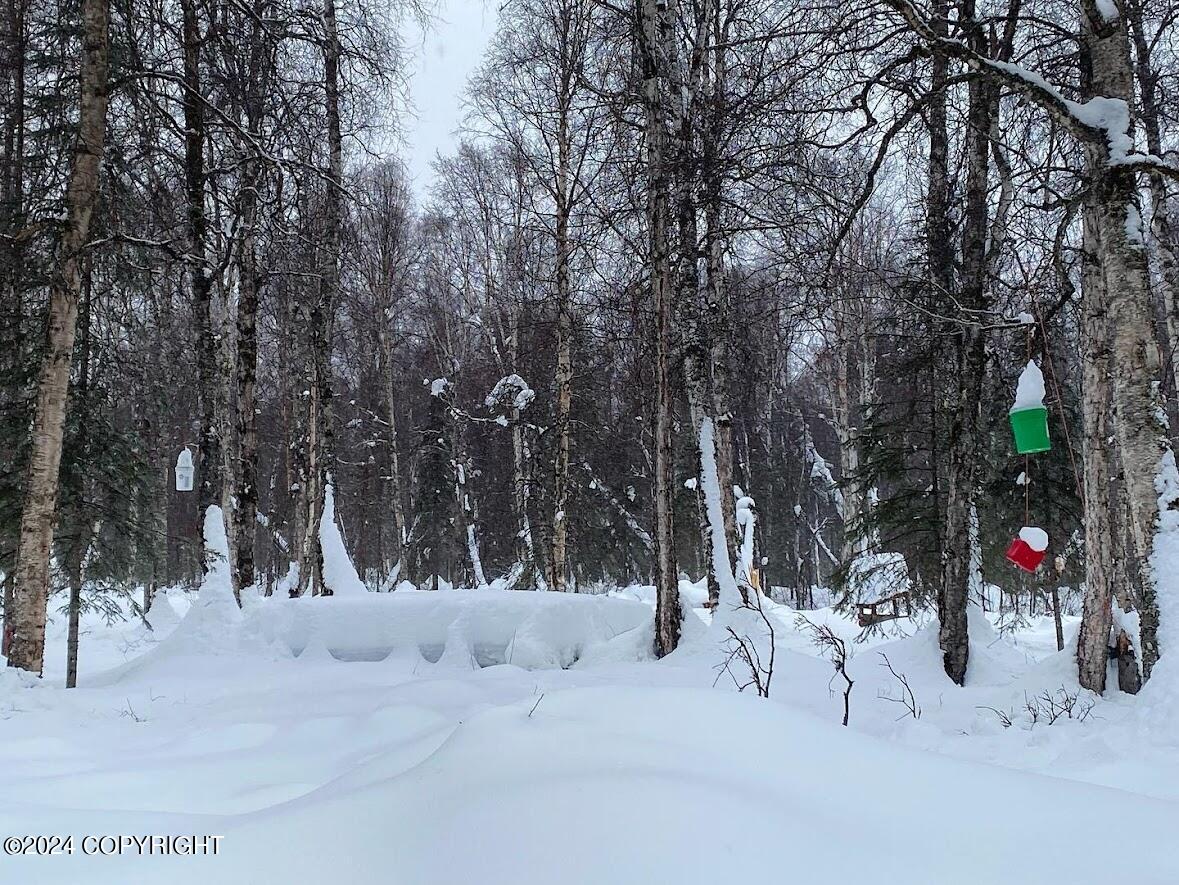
[443, 769]
[530, 630]
[636, 785]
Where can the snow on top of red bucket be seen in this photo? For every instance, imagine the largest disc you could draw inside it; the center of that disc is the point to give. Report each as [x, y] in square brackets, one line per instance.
[1034, 537]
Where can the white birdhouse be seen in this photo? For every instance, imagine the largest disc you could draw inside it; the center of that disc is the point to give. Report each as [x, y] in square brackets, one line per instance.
[184, 471]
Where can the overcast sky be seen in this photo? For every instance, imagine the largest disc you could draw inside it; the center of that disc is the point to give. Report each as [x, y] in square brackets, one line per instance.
[444, 57]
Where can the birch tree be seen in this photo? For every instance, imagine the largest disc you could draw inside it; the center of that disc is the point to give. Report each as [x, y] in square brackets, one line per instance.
[31, 588]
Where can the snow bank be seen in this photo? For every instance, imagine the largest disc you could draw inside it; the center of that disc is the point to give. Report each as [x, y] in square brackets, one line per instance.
[530, 630]
[620, 784]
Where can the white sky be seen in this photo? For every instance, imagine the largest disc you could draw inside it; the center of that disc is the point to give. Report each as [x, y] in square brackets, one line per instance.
[444, 58]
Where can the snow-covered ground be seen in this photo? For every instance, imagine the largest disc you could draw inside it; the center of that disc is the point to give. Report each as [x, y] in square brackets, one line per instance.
[491, 737]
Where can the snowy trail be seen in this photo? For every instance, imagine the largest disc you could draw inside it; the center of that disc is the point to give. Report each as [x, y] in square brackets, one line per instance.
[316, 769]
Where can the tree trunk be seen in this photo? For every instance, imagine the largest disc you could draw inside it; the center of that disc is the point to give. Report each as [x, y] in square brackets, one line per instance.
[654, 36]
[396, 493]
[245, 512]
[323, 316]
[468, 512]
[80, 527]
[557, 564]
[75, 571]
[200, 281]
[1142, 440]
[30, 595]
[1096, 617]
[1160, 216]
[953, 635]
[717, 306]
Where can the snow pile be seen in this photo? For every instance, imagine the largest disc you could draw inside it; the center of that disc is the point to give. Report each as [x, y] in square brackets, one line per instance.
[529, 630]
[339, 575]
[213, 626]
[1029, 394]
[161, 615]
[214, 617]
[592, 785]
[875, 576]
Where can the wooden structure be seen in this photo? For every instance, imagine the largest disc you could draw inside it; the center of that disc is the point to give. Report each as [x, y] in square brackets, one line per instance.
[888, 608]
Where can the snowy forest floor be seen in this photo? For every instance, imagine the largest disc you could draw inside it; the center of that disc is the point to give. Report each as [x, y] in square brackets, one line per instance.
[439, 764]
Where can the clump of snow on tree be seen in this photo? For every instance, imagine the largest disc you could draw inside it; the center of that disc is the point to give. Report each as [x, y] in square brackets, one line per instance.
[746, 519]
[512, 392]
[438, 386]
[710, 485]
[339, 575]
[1163, 687]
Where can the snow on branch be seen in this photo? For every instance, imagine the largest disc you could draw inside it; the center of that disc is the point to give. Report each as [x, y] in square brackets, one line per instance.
[511, 391]
[1100, 119]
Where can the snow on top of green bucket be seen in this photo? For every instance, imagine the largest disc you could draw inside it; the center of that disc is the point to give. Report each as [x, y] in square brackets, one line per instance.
[1029, 394]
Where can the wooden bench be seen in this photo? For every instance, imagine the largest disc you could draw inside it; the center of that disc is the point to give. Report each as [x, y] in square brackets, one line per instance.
[887, 609]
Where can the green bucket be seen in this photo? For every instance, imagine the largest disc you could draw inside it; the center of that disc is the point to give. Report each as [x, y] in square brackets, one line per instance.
[1030, 427]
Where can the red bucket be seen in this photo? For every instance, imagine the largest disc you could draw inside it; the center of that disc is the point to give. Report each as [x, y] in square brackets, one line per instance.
[1022, 555]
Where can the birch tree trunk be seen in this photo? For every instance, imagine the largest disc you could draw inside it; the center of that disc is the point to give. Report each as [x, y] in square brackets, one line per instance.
[654, 37]
[851, 392]
[1096, 617]
[529, 571]
[244, 514]
[717, 306]
[557, 564]
[952, 630]
[1142, 440]
[323, 316]
[468, 511]
[31, 588]
[200, 282]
